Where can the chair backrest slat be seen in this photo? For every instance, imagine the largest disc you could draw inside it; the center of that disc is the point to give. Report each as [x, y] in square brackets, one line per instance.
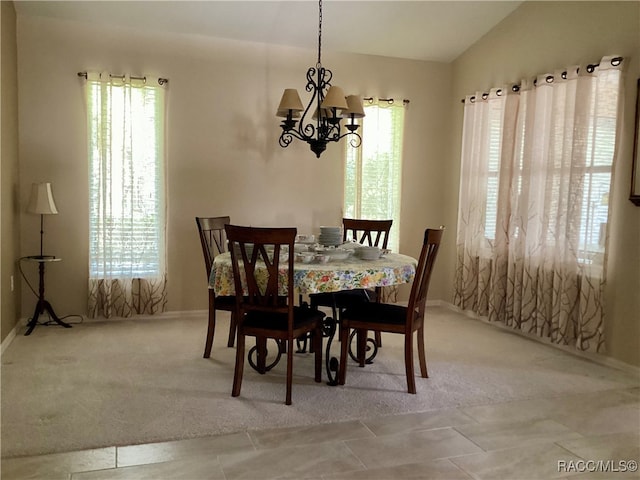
[213, 238]
[420, 287]
[374, 233]
[257, 256]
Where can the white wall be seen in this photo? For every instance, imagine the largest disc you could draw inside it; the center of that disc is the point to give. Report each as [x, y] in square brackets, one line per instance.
[541, 37]
[223, 155]
[9, 225]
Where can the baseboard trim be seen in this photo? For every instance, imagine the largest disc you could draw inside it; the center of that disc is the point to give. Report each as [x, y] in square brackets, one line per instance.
[163, 315]
[8, 339]
[598, 358]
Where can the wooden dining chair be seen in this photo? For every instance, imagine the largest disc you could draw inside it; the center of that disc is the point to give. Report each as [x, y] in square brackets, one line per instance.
[213, 241]
[374, 233]
[264, 257]
[391, 318]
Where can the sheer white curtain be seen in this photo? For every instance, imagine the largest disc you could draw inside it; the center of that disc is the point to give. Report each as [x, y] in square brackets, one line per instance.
[127, 267]
[532, 225]
[373, 171]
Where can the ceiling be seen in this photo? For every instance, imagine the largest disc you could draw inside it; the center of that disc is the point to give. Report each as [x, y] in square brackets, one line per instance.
[418, 30]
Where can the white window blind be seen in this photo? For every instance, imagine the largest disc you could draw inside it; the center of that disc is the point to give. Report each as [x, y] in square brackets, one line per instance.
[126, 180]
[593, 173]
[373, 171]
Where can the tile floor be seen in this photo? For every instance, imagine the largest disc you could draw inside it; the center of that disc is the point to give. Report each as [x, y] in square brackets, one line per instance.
[592, 436]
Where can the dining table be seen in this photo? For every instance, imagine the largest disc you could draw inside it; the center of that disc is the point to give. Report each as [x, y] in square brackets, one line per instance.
[333, 276]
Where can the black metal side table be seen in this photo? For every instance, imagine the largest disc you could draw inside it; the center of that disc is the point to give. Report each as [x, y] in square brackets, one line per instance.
[42, 305]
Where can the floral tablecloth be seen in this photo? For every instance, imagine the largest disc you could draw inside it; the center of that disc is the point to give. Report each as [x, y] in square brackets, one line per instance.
[392, 269]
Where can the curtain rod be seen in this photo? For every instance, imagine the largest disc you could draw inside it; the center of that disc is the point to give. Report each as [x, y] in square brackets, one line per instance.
[388, 100]
[615, 61]
[161, 81]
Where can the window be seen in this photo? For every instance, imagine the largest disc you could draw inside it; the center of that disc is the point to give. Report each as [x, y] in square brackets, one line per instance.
[536, 172]
[592, 174]
[126, 192]
[493, 169]
[373, 171]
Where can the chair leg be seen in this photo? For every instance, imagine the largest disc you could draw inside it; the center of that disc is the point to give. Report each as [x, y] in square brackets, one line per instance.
[212, 325]
[344, 346]
[232, 330]
[261, 354]
[378, 299]
[361, 343]
[421, 353]
[408, 362]
[317, 349]
[289, 370]
[237, 375]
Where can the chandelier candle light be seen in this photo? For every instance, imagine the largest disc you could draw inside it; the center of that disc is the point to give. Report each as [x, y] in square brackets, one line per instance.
[331, 106]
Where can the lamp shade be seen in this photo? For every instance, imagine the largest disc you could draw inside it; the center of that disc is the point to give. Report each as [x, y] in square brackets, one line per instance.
[290, 101]
[355, 108]
[335, 99]
[41, 200]
[324, 113]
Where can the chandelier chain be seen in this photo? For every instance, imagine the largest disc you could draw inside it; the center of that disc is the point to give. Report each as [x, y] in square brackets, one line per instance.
[327, 107]
[319, 33]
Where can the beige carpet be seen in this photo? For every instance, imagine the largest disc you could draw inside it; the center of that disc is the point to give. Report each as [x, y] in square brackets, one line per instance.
[144, 380]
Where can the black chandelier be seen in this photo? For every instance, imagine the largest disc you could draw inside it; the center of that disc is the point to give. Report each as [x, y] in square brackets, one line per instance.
[331, 106]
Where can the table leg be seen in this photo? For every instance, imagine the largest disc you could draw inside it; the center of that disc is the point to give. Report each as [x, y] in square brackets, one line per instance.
[332, 363]
[260, 351]
[362, 347]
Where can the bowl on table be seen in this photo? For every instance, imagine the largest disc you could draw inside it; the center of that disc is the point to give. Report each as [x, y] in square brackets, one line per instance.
[351, 245]
[300, 247]
[306, 239]
[322, 258]
[369, 253]
[338, 253]
[305, 257]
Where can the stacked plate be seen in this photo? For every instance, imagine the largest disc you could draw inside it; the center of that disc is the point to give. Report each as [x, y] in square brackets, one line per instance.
[330, 236]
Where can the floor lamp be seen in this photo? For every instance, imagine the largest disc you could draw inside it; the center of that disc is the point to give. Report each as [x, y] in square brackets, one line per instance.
[41, 202]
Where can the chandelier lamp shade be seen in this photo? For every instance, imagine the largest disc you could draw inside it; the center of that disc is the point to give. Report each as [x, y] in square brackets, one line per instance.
[320, 122]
